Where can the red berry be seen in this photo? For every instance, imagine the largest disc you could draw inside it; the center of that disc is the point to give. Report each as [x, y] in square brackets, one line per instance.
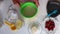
[50, 25]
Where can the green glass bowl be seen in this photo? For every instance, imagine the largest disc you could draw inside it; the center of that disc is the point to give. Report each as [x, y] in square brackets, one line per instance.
[28, 9]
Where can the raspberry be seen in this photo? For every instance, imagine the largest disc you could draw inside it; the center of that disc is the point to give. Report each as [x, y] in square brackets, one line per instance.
[50, 25]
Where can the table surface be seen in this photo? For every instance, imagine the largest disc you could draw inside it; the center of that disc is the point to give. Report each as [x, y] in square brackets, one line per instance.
[24, 30]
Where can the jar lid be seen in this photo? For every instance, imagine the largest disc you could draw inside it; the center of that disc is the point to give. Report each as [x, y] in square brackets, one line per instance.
[28, 9]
